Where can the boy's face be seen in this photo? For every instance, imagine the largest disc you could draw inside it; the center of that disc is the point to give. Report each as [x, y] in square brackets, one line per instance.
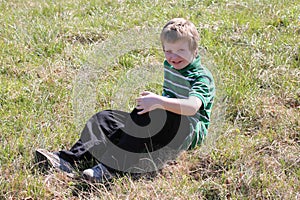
[178, 54]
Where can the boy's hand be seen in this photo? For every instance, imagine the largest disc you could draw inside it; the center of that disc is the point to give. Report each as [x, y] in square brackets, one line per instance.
[148, 101]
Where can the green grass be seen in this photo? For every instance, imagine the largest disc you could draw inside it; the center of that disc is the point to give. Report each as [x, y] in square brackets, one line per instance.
[252, 47]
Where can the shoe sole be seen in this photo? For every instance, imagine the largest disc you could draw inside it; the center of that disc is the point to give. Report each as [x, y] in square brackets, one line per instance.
[45, 161]
[42, 156]
[41, 160]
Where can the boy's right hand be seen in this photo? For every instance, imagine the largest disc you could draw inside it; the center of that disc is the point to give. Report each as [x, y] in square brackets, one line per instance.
[147, 102]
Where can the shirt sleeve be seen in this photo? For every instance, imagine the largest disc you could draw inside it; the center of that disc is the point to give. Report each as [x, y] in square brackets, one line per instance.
[203, 87]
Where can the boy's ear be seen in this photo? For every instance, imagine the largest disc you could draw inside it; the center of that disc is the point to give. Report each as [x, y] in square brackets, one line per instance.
[196, 53]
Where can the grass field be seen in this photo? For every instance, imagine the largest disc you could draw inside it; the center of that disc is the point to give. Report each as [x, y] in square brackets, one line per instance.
[251, 46]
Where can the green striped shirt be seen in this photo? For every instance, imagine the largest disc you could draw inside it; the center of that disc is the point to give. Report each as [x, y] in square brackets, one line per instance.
[193, 80]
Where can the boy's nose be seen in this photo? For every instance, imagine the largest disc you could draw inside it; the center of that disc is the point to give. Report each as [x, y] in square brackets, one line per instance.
[174, 56]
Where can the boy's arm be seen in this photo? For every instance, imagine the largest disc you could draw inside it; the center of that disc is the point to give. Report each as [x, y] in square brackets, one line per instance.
[149, 101]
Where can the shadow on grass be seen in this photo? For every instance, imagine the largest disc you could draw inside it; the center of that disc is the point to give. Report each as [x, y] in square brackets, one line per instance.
[84, 188]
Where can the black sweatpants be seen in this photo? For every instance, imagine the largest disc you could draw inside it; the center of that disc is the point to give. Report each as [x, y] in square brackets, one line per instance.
[119, 139]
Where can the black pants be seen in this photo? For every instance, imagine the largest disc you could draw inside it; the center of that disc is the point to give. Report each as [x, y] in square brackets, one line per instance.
[119, 139]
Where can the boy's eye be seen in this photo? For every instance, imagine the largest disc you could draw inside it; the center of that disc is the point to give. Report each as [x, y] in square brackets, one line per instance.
[168, 52]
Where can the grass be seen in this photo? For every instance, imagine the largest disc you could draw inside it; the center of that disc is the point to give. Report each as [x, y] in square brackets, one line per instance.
[252, 47]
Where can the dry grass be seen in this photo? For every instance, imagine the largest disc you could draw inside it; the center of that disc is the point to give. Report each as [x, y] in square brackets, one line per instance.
[252, 47]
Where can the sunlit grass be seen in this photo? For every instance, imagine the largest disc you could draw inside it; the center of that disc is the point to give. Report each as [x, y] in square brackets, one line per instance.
[252, 47]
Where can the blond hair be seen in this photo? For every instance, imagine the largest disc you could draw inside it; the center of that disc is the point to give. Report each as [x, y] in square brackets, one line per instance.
[178, 29]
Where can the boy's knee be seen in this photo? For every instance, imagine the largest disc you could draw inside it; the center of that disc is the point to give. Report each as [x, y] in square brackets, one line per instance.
[102, 113]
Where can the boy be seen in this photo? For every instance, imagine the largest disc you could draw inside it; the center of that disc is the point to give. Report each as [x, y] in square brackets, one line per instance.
[178, 119]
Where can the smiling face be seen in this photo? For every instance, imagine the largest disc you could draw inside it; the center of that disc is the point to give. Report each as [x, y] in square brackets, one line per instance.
[178, 54]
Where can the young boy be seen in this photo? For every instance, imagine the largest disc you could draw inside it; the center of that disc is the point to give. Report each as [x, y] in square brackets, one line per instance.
[177, 120]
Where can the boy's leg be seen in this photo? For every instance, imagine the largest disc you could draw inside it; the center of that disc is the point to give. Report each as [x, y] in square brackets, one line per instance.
[145, 133]
[167, 143]
[133, 139]
[175, 131]
[99, 131]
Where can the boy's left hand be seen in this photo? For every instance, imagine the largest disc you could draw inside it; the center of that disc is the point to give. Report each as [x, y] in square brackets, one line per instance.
[147, 102]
